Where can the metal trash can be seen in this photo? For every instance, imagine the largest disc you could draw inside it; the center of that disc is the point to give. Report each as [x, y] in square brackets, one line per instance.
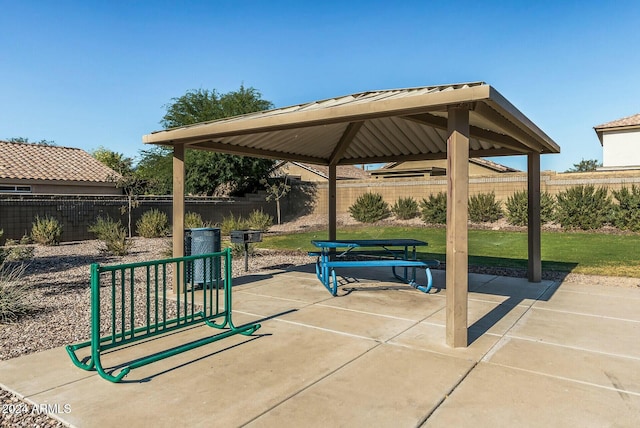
[203, 240]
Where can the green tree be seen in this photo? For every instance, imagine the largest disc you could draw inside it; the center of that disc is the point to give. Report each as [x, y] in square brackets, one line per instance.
[156, 167]
[277, 188]
[26, 141]
[207, 171]
[585, 166]
[116, 161]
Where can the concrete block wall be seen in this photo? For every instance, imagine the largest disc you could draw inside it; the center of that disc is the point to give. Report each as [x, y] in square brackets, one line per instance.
[503, 185]
[76, 213]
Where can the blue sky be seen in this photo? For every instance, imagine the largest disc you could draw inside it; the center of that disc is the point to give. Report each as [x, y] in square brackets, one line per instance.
[99, 73]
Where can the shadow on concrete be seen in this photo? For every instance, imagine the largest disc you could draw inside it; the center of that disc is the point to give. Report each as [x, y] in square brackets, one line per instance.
[115, 368]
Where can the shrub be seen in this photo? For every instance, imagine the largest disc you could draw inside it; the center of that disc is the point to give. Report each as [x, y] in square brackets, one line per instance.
[434, 209]
[369, 208]
[405, 208]
[237, 250]
[483, 207]
[16, 253]
[14, 298]
[46, 231]
[112, 234]
[518, 203]
[260, 220]
[583, 207]
[627, 212]
[153, 224]
[232, 223]
[193, 220]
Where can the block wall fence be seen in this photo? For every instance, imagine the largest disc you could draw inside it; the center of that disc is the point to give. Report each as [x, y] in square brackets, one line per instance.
[76, 213]
[503, 185]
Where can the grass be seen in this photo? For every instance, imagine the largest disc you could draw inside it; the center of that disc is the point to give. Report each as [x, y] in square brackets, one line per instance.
[580, 252]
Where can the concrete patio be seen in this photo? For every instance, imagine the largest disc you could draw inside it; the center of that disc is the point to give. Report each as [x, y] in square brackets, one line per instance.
[546, 354]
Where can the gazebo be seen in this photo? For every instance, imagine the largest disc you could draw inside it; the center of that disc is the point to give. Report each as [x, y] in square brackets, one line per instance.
[455, 122]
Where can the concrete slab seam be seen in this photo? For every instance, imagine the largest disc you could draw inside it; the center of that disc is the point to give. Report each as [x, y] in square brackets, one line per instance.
[364, 312]
[575, 348]
[342, 333]
[586, 315]
[499, 345]
[447, 395]
[279, 298]
[312, 384]
[582, 382]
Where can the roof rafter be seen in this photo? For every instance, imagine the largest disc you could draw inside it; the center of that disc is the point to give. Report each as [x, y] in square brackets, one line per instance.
[423, 156]
[347, 137]
[474, 131]
[248, 151]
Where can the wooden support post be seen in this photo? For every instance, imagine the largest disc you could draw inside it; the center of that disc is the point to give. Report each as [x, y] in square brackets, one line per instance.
[533, 210]
[178, 211]
[332, 202]
[457, 268]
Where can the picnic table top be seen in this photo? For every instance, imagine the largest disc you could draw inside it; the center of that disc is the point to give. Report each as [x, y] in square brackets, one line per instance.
[339, 243]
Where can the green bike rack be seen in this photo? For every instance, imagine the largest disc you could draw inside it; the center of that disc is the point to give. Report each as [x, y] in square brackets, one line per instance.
[127, 326]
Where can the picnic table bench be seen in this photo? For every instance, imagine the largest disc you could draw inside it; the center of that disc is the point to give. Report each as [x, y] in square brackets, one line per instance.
[394, 253]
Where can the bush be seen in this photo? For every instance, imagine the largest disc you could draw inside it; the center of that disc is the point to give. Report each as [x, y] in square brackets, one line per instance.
[46, 231]
[14, 299]
[113, 234]
[583, 207]
[14, 252]
[369, 208]
[518, 203]
[237, 250]
[232, 223]
[153, 224]
[434, 209]
[483, 207]
[259, 220]
[627, 212]
[405, 208]
[193, 220]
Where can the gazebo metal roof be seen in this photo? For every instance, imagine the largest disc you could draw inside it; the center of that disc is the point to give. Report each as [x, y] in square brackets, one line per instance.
[369, 127]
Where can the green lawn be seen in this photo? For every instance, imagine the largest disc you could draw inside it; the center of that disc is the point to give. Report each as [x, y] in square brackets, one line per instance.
[591, 253]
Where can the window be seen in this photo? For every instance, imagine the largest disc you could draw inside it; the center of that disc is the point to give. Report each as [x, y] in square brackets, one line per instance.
[11, 188]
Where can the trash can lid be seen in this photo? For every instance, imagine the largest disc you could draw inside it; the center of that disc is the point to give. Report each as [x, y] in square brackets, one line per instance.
[202, 228]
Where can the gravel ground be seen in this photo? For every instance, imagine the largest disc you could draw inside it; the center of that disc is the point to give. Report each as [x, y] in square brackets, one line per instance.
[59, 277]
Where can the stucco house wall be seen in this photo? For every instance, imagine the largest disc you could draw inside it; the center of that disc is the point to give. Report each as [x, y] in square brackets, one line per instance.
[621, 149]
[620, 141]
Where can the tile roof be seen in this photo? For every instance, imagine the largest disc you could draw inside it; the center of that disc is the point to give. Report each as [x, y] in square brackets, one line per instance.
[40, 162]
[625, 121]
[342, 171]
[478, 161]
[498, 167]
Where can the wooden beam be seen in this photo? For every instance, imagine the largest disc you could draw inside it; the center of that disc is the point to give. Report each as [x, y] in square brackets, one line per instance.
[332, 202]
[509, 127]
[474, 132]
[424, 156]
[178, 212]
[533, 210]
[457, 265]
[347, 137]
[215, 146]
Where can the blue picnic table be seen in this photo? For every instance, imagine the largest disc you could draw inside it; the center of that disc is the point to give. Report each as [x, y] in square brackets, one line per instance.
[394, 253]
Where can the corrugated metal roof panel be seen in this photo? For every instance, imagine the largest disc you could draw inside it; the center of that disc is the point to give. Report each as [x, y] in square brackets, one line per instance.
[378, 125]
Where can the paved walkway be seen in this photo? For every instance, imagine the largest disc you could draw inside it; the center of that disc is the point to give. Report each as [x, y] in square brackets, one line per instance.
[542, 355]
